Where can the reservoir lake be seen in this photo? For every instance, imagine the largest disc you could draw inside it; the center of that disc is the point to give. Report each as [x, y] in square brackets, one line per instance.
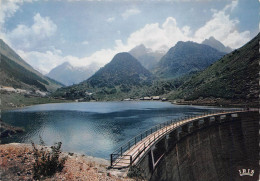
[93, 128]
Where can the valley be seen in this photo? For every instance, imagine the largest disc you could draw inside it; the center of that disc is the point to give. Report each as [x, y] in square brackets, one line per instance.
[189, 73]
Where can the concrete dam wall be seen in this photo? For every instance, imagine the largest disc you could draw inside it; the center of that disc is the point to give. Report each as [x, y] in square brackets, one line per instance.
[224, 150]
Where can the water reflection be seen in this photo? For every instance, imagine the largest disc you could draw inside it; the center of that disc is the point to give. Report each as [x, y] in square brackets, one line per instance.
[92, 128]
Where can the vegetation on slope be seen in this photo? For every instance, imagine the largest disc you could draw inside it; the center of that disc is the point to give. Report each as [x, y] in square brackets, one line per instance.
[234, 77]
[124, 69]
[123, 77]
[15, 72]
[186, 57]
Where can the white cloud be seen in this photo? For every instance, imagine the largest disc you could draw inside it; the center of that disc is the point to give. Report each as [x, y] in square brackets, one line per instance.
[223, 28]
[231, 6]
[152, 35]
[159, 37]
[130, 12]
[109, 20]
[45, 61]
[85, 43]
[26, 37]
[8, 8]
[155, 36]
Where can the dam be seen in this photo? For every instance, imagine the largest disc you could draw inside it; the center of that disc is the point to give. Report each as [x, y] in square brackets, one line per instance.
[216, 146]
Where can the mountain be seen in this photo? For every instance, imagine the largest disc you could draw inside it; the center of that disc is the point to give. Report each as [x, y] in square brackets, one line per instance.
[16, 73]
[186, 57]
[217, 45]
[123, 77]
[146, 56]
[234, 77]
[69, 75]
[123, 69]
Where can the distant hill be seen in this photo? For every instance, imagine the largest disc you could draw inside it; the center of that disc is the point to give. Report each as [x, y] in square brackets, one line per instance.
[186, 57]
[15, 72]
[147, 57]
[234, 77]
[217, 45]
[123, 76]
[69, 75]
[123, 69]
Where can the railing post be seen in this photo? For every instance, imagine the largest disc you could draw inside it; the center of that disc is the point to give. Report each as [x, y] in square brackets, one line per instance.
[151, 130]
[111, 160]
[141, 136]
[129, 145]
[135, 140]
[146, 133]
[121, 151]
[131, 159]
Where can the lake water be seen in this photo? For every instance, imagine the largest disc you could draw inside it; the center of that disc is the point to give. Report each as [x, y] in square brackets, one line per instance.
[93, 128]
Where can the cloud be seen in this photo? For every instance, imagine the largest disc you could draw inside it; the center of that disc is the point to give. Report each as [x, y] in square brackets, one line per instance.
[109, 20]
[26, 37]
[85, 43]
[8, 9]
[45, 61]
[152, 35]
[155, 36]
[159, 37]
[231, 6]
[130, 12]
[223, 28]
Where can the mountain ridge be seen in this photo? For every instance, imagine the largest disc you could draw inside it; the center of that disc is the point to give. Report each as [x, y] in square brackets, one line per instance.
[121, 66]
[69, 75]
[122, 77]
[186, 57]
[234, 77]
[211, 41]
[15, 72]
[147, 57]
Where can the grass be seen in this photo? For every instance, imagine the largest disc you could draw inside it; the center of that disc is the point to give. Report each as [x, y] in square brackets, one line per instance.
[14, 100]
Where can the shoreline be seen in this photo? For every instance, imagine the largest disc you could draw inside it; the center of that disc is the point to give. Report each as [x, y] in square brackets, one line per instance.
[16, 161]
[218, 102]
[227, 104]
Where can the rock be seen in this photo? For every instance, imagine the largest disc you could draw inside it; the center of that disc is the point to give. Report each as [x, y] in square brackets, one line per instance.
[7, 130]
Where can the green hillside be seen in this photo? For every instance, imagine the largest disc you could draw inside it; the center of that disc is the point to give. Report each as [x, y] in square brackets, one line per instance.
[234, 77]
[15, 72]
[186, 57]
[123, 77]
[123, 69]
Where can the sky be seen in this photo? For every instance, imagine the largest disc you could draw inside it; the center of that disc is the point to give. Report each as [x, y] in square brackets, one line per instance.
[47, 33]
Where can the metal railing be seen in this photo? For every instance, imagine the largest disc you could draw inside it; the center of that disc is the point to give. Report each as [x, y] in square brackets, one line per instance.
[118, 155]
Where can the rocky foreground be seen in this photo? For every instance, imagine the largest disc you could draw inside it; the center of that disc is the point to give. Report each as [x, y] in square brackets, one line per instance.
[16, 163]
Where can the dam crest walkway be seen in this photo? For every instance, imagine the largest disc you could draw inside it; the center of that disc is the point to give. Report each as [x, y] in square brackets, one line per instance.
[135, 149]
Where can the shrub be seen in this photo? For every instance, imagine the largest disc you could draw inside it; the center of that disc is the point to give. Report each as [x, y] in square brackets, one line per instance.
[136, 173]
[47, 161]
